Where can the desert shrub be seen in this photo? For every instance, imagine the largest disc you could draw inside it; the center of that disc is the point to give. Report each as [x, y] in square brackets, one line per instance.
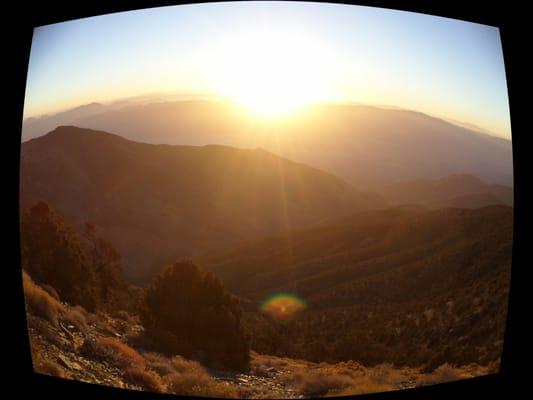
[100, 322]
[39, 301]
[362, 385]
[77, 316]
[198, 383]
[107, 264]
[49, 367]
[126, 317]
[187, 312]
[381, 378]
[444, 373]
[139, 340]
[42, 364]
[153, 357]
[263, 365]
[112, 351]
[146, 379]
[51, 291]
[44, 329]
[81, 310]
[53, 254]
[324, 379]
[386, 373]
[92, 349]
[317, 383]
[163, 368]
[493, 367]
[183, 365]
[82, 269]
[123, 354]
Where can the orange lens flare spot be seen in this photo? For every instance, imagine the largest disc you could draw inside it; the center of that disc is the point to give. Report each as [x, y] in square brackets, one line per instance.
[283, 306]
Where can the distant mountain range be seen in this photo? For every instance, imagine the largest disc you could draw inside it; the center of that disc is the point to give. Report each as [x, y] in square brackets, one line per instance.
[368, 147]
[156, 202]
[459, 190]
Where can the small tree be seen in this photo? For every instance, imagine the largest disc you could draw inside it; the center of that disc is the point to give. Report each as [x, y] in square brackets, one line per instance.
[107, 263]
[53, 254]
[186, 311]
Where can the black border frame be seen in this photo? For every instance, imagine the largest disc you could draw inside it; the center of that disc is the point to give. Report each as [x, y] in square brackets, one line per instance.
[504, 384]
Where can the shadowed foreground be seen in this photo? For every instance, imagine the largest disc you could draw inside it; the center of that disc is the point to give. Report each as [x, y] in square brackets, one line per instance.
[71, 343]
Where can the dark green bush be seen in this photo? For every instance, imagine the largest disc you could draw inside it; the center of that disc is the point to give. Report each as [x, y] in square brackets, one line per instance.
[79, 269]
[187, 312]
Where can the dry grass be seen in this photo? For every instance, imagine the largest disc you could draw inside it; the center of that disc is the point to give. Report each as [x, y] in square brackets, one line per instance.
[448, 373]
[146, 379]
[113, 351]
[362, 386]
[40, 302]
[46, 331]
[76, 316]
[100, 322]
[341, 379]
[51, 291]
[43, 365]
[139, 340]
[123, 355]
[182, 365]
[49, 367]
[195, 383]
[159, 363]
[177, 375]
[186, 377]
[126, 317]
[317, 382]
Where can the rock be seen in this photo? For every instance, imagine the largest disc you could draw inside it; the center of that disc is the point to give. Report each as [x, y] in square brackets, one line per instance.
[67, 363]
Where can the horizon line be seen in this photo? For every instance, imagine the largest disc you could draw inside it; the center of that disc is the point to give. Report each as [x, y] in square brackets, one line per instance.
[166, 97]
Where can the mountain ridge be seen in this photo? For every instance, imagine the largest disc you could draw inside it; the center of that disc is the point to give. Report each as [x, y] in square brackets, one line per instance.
[176, 200]
[365, 145]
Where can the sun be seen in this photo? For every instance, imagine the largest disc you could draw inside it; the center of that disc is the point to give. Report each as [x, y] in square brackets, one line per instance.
[272, 74]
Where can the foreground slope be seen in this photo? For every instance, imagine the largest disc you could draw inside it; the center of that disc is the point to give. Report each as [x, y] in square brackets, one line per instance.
[159, 201]
[108, 350]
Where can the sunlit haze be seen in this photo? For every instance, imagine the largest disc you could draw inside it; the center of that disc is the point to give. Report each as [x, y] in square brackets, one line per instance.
[275, 58]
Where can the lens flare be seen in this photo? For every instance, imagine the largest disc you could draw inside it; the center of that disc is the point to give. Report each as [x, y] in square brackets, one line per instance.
[283, 306]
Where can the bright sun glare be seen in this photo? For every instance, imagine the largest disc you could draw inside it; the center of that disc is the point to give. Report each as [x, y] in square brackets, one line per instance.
[272, 74]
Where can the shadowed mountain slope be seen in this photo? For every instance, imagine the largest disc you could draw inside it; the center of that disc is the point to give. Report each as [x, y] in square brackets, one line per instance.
[459, 190]
[159, 201]
[385, 256]
[400, 286]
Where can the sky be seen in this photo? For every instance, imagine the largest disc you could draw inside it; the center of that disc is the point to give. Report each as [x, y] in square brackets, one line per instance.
[272, 56]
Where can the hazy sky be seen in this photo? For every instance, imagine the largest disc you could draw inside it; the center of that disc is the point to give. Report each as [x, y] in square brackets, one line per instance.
[275, 52]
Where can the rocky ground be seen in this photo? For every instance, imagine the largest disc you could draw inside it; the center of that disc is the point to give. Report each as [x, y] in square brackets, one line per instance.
[104, 350]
